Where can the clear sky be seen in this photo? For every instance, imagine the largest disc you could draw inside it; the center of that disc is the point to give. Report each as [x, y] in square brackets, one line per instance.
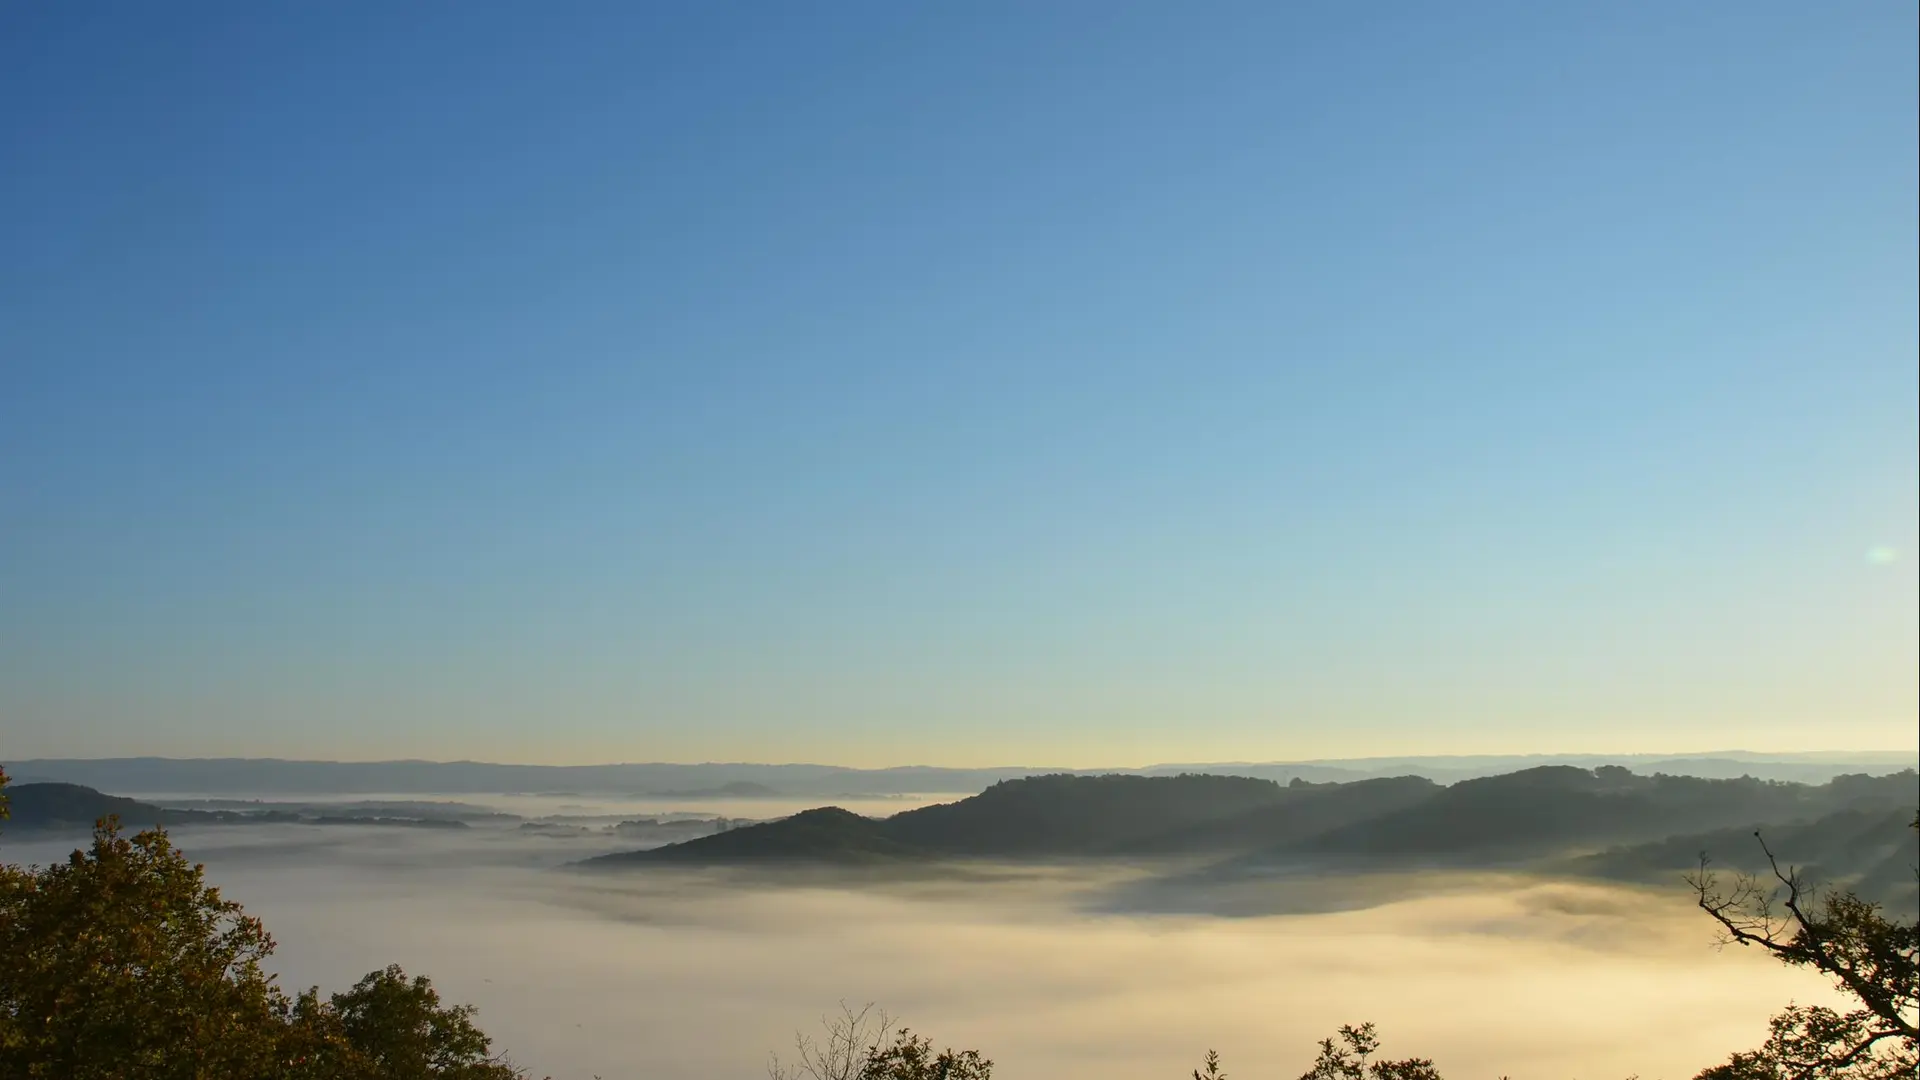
[1064, 383]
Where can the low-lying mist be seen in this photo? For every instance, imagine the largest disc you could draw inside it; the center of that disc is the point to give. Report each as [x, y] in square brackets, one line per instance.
[1061, 972]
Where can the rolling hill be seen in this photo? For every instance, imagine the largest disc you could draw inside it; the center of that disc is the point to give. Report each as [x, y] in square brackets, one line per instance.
[53, 806]
[1549, 811]
[1873, 851]
[825, 835]
[1555, 807]
[1303, 812]
[57, 807]
[1077, 815]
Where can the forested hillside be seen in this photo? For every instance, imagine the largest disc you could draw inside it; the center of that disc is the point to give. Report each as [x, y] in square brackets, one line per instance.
[1546, 813]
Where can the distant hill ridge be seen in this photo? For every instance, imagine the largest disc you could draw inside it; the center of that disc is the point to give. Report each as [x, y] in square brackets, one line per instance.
[1556, 805]
[1549, 811]
[268, 776]
[56, 806]
[1869, 849]
[33, 806]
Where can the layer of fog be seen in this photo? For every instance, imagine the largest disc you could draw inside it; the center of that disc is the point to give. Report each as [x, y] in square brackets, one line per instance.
[576, 807]
[1050, 971]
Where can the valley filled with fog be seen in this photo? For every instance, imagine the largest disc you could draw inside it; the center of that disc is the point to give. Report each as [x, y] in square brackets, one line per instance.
[1104, 533]
[1058, 970]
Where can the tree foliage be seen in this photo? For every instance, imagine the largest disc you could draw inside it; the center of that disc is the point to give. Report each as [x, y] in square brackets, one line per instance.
[1346, 1056]
[122, 963]
[1347, 1059]
[912, 1057]
[392, 1028]
[863, 1044]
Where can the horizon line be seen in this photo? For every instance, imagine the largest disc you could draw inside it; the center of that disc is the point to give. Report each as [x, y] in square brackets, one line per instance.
[1807, 756]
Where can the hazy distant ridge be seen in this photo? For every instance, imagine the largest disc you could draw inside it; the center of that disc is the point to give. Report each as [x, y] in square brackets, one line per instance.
[61, 806]
[269, 776]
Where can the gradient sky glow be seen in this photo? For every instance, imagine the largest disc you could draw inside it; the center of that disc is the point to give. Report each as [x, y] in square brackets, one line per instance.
[1069, 383]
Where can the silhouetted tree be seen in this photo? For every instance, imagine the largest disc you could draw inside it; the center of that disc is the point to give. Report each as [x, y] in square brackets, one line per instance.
[402, 1032]
[1347, 1059]
[1873, 959]
[862, 1044]
[911, 1057]
[122, 963]
[1344, 1057]
[842, 1053]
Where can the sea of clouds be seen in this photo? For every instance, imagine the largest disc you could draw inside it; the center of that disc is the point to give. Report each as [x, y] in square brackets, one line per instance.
[1068, 973]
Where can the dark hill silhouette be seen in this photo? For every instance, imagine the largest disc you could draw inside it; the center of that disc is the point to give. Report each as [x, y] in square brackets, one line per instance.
[1077, 815]
[1869, 850]
[828, 834]
[50, 806]
[1060, 815]
[1534, 813]
[1303, 811]
[75, 807]
[1557, 807]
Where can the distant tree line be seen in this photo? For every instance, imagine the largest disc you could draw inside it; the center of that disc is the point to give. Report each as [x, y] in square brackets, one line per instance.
[122, 963]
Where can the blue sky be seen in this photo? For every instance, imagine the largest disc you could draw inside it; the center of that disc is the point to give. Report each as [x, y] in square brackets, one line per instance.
[1071, 383]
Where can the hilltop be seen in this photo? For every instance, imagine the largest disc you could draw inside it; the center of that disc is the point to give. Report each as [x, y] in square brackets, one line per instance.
[34, 806]
[58, 807]
[1547, 813]
[1864, 848]
[1540, 810]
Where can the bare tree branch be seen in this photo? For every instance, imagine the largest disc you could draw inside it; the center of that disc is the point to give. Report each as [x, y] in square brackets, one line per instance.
[1874, 959]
